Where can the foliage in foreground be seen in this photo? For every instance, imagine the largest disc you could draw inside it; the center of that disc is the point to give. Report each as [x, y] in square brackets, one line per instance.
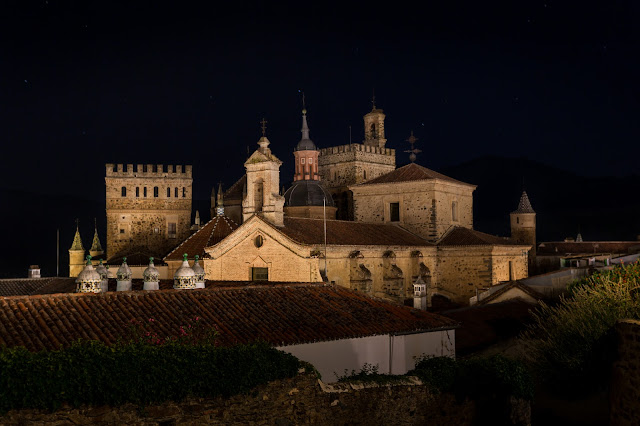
[90, 372]
[571, 343]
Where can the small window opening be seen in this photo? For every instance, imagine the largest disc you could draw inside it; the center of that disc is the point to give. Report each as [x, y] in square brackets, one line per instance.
[124, 191]
[155, 192]
[260, 274]
[144, 192]
[137, 191]
[394, 212]
[168, 192]
[184, 192]
[258, 241]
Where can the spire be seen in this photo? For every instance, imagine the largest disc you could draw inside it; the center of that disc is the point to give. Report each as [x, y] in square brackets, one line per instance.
[77, 241]
[305, 144]
[95, 245]
[524, 206]
[413, 151]
[220, 201]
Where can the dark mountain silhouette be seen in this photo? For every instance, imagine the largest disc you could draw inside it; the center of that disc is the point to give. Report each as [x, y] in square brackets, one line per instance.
[600, 208]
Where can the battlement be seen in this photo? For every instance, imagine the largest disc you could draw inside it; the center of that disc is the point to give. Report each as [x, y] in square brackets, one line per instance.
[354, 147]
[149, 170]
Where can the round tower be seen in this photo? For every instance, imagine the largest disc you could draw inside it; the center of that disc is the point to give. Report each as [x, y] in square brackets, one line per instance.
[151, 277]
[123, 277]
[199, 271]
[88, 281]
[523, 225]
[76, 255]
[185, 277]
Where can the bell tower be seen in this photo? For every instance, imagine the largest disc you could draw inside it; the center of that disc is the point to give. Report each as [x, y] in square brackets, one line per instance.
[374, 127]
[523, 225]
[263, 184]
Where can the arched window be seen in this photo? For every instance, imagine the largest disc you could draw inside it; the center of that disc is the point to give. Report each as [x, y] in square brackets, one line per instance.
[373, 130]
[168, 192]
[155, 192]
[257, 195]
[364, 174]
[176, 192]
[124, 191]
[184, 192]
[137, 191]
[144, 192]
[454, 210]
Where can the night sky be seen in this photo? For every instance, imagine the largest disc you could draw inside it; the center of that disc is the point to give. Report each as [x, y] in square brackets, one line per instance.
[87, 83]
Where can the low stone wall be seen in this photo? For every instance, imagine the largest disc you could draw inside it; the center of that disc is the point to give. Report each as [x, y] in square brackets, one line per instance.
[300, 400]
[625, 379]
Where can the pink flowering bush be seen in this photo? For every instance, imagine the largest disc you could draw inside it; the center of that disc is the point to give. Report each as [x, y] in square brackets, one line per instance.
[194, 332]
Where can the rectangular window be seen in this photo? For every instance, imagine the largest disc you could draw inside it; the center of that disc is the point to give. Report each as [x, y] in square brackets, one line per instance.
[137, 191]
[144, 192]
[122, 231]
[184, 192]
[310, 160]
[394, 212]
[123, 191]
[155, 192]
[260, 274]
[168, 192]
[173, 229]
[302, 161]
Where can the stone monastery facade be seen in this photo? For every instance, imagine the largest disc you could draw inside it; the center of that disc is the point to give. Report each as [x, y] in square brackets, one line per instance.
[405, 224]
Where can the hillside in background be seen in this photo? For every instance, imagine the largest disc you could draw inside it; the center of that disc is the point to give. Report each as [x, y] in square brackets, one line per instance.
[600, 208]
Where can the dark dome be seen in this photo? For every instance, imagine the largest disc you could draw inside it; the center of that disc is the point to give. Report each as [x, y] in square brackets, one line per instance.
[306, 145]
[307, 193]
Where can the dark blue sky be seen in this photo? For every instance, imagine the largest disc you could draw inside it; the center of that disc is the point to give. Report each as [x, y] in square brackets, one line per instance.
[86, 83]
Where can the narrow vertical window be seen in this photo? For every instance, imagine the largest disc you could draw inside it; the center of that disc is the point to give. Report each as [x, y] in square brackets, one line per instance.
[144, 192]
[176, 193]
[168, 192]
[137, 191]
[454, 211]
[155, 192]
[184, 192]
[364, 174]
[394, 212]
[124, 191]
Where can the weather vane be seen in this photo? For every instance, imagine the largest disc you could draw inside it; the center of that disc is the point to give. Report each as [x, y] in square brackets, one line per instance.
[264, 127]
[413, 151]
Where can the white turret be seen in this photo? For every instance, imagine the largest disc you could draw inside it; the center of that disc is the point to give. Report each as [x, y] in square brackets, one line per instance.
[185, 277]
[199, 271]
[104, 282]
[123, 277]
[151, 277]
[420, 294]
[88, 280]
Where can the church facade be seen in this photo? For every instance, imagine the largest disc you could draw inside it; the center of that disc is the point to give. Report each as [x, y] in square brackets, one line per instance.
[407, 223]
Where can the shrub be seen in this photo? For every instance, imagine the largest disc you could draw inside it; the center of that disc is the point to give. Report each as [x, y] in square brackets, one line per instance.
[90, 372]
[570, 343]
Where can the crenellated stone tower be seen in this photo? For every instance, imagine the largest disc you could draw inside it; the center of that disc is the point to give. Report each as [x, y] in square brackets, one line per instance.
[344, 165]
[263, 184]
[523, 225]
[148, 207]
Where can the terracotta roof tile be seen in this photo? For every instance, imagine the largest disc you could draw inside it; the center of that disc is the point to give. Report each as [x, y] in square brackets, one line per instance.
[210, 234]
[26, 286]
[280, 315]
[341, 232]
[412, 172]
[460, 236]
[505, 288]
[235, 191]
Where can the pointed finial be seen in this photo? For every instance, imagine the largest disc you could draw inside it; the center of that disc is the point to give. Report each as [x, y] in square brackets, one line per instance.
[184, 257]
[220, 197]
[151, 259]
[304, 107]
[413, 151]
[88, 259]
[124, 259]
[264, 127]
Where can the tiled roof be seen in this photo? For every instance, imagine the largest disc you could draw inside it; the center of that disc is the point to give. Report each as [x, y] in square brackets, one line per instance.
[341, 232]
[280, 315]
[524, 206]
[26, 286]
[460, 236]
[210, 234]
[561, 248]
[411, 172]
[136, 256]
[235, 191]
[505, 288]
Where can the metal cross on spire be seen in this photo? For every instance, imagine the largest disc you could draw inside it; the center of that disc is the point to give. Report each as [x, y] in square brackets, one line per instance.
[304, 107]
[264, 126]
[413, 151]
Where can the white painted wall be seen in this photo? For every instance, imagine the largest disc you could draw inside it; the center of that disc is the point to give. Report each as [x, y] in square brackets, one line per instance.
[395, 354]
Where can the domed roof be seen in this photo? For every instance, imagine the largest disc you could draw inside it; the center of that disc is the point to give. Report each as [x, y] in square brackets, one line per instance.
[151, 274]
[89, 279]
[307, 193]
[124, 272]
[184, 270]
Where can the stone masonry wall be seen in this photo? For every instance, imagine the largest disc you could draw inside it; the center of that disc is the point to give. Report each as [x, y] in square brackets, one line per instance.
[625, 380]
[139, 219]
[299, 400]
